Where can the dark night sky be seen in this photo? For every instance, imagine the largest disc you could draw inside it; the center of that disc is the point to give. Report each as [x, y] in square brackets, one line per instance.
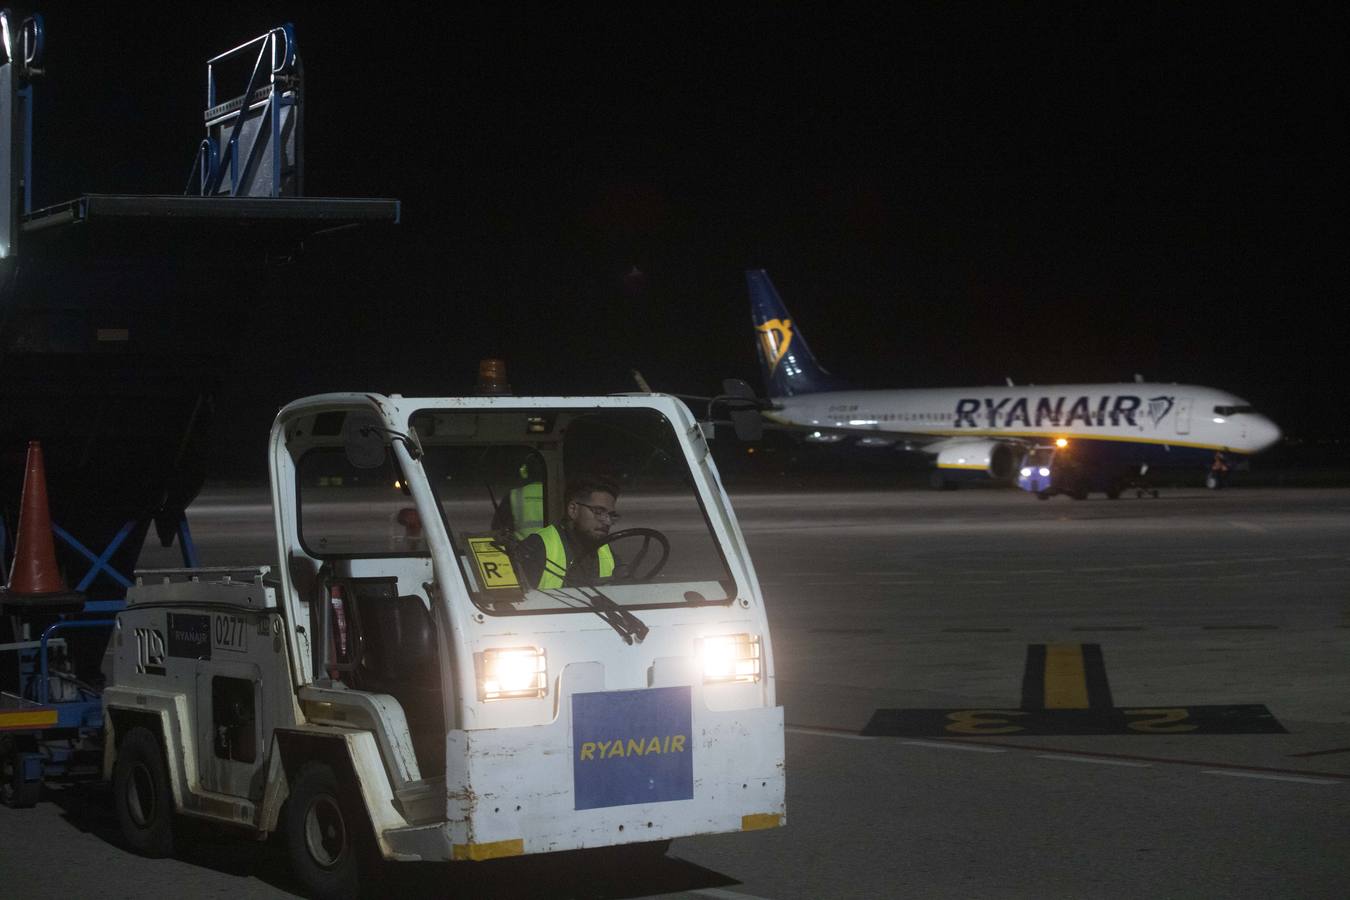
[944, 194]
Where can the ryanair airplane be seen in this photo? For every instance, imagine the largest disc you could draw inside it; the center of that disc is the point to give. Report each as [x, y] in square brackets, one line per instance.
[1067, 438]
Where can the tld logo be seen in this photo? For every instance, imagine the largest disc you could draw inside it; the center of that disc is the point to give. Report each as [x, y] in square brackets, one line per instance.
[149, 652]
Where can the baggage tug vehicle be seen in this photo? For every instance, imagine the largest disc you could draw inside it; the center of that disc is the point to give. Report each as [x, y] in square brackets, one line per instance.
[396, 689]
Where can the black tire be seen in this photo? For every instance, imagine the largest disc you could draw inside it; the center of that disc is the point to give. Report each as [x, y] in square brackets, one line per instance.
[14, 791]
[1042, 495]
[1113, 492]
[326, 835]
[939, 482]
[142, 794]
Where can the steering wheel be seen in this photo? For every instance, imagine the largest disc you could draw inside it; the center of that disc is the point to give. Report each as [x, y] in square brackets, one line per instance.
[648, 536]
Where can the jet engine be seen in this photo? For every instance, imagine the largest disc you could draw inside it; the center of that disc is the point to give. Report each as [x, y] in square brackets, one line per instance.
[992, 458]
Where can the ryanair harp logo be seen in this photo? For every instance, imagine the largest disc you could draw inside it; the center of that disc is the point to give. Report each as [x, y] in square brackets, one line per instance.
[1158, 407]
[775, 336]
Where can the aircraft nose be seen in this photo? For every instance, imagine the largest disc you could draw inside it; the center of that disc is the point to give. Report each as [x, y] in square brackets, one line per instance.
[1265, 434]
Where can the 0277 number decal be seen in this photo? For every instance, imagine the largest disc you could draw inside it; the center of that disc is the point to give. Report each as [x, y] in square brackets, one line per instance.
[229, 632]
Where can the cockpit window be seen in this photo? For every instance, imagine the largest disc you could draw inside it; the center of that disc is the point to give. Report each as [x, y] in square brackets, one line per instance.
[1233, 410]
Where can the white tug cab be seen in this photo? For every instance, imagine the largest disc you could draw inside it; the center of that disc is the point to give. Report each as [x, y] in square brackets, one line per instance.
[400, 690]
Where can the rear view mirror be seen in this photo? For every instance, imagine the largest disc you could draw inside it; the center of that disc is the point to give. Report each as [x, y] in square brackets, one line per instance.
[363, 440]
[744, 409]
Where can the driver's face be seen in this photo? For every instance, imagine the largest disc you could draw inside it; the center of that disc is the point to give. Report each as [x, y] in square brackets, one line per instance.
[591, 516]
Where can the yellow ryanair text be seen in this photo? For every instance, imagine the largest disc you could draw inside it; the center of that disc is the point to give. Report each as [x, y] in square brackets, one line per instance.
[670, 743]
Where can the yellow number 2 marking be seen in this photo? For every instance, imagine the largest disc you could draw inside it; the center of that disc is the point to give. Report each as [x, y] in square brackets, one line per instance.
[1161, 721]
[982, 721]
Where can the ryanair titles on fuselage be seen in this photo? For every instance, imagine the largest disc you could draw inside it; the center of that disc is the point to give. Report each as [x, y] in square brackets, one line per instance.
[1064, 411]
[1058, 412]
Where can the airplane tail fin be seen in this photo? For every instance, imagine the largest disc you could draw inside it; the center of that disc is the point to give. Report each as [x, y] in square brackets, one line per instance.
[786, 361]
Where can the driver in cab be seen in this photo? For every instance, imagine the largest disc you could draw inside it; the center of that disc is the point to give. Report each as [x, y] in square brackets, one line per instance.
[574, 552]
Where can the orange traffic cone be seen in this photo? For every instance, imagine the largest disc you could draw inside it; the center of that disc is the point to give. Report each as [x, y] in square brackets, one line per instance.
[34, 572]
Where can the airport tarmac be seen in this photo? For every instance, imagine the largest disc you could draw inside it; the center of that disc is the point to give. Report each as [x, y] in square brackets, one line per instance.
[985, 694]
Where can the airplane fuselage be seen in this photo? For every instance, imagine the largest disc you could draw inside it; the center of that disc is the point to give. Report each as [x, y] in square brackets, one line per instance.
[1173, 417]
[976, 432]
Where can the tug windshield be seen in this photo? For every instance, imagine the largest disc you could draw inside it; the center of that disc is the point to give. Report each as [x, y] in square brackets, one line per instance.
[547, 508]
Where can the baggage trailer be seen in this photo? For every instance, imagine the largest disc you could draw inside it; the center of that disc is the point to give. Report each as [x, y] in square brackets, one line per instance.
[52, 640]
[400, 689]
[51, 726]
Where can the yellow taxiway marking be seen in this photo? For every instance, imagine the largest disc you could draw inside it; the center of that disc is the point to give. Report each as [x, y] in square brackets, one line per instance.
[1065, 677]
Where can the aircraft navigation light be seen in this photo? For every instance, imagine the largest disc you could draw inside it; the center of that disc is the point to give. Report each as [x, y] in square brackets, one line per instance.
[1061, 442]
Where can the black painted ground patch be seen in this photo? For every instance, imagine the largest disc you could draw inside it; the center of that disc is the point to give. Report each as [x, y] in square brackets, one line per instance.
[1250, 718]
[1065, 691]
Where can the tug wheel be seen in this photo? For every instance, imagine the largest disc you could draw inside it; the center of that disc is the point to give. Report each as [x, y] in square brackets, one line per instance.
[325, 835]
[142, 794]
[15, 792]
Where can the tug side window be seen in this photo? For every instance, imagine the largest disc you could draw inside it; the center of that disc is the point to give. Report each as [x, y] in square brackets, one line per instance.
[350, 511]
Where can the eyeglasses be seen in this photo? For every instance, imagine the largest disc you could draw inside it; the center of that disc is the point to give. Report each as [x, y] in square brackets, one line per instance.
[600, 512]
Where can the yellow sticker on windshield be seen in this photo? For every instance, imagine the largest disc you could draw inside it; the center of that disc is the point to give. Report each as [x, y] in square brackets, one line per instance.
[494, 566]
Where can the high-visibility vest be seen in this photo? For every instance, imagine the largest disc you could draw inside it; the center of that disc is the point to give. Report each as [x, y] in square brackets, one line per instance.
[555, 566]
[527, 509]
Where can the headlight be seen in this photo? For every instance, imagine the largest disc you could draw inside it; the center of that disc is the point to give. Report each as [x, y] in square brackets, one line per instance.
[511, 672]
[1026, 471]
[1045, 473]
[730, 657]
